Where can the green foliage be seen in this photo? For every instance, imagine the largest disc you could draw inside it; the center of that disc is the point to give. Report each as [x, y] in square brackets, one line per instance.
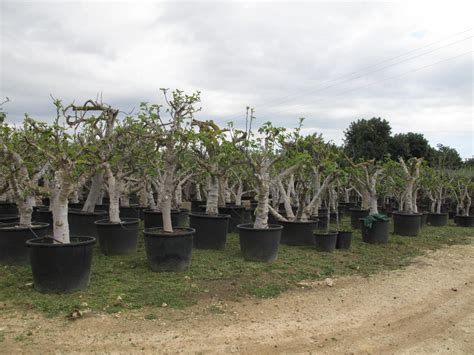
[367, 139]
[408, 145]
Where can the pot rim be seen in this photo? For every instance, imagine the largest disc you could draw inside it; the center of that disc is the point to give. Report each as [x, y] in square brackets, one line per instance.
[76, 211]
[398, 213]
[35, 225]
[205, 215]
[312, 221]
[126, 221]
[82, 241]
[155, 232]
[249, 227]
[150, 211]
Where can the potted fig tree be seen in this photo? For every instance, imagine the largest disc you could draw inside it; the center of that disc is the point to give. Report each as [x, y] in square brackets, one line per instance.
[407, 221]
[169, 248]
[60, 263]
[21, 170]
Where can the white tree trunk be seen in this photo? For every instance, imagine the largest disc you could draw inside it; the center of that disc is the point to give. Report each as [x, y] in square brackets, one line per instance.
[198, 192]
[373, 203]
[61, 189]
[166, 196]
[112, 187]
[212, 196]
[25, 208]
[261, 212]
[94, 192]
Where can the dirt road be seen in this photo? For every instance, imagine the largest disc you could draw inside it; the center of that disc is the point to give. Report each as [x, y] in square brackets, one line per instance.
[425, 308]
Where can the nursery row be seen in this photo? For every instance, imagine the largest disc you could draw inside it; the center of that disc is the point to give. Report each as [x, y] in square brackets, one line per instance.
[93, 173]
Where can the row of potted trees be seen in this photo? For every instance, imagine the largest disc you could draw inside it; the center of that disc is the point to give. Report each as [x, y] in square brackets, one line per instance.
[163, 155]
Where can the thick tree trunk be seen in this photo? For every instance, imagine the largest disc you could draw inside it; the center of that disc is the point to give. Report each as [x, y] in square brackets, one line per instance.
[113, 187]
[94, 192]
[60, 193]
[212, 196]
[261, 212]
[143, 194]
[365, 200]
[198, 192]
[373, 203]
[25, 208]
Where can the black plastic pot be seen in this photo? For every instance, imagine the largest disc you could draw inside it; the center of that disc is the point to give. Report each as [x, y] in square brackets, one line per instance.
[451, 214]
[61, 268]
[118, 238]
[195, 205]
[46, 216]
[259, 244]
[356, 214]
[406, 224]
[131, 211]
[236, 216]
[378, 234]
[102, 207]
[82, 223]
[423, 219]
[273, 220]
[344, 240]
[154, 219]
[183, 218]
[169, 251]
[333, 217]
[13, 250]
[8, 208]
[211, 231]
[325, 241]
[465, 221]
[322, 222]
[438, 219]
[76, 206]
[9, 218]
[298, 233]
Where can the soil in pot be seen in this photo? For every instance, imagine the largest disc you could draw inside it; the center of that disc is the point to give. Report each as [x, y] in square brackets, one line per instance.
[356, 214]
[169, 251]
[211, 231]
[465, 221]
[259, 244]
[406, 224]
[344, 240]
[325, 241]
[438, 219]
[298, 233]
[154, 219]
[82, 223]
[13, 250]
[9, 218]
[118, 238]
[378, 234]
[61, 268]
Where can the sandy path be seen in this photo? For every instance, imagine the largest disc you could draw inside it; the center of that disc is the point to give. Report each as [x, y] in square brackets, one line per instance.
[425, 308]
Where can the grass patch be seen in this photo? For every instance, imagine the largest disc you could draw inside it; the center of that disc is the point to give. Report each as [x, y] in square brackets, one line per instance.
[126, 282]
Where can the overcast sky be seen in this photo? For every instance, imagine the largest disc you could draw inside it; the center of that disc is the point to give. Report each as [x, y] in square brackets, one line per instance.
[331, 62]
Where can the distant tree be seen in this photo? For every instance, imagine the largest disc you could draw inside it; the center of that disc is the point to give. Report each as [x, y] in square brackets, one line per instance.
[409, 145]
[469, 163]
[445, 157]
[367, 139]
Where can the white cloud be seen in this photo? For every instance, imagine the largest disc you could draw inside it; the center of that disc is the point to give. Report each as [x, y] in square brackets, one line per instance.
[278, 57]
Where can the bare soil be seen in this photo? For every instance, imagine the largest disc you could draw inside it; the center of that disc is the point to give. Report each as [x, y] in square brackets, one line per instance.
[426, 308]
